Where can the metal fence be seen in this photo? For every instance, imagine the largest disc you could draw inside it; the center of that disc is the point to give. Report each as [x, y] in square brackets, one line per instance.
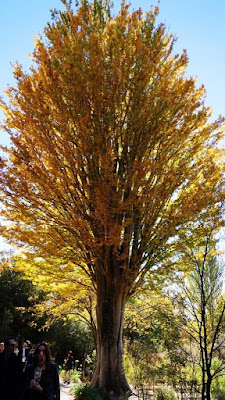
[147, 393]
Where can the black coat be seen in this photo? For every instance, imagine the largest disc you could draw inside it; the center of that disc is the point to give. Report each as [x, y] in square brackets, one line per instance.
[49, 382]
[69, 363]
[11, 377]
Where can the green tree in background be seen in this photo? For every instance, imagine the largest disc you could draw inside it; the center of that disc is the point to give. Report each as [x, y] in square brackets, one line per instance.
[153, 341]
[203, 298]
[18, 296]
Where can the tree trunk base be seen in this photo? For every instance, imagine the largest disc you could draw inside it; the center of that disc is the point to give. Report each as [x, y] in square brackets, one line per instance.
[113, 389]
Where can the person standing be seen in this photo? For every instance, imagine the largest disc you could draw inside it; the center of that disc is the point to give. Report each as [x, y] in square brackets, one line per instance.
[29, 345]
[11, 370]
[68, 367]
[24, 353]
[41, 378]
[2, 347]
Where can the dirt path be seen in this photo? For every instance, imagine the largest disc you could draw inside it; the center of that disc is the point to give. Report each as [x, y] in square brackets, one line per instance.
[65, 392]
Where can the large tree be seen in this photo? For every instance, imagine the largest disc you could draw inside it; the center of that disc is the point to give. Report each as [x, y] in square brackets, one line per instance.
[112, 150]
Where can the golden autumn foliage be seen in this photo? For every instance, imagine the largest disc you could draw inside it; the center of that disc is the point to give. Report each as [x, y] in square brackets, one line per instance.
[112, 150]
[68, 292]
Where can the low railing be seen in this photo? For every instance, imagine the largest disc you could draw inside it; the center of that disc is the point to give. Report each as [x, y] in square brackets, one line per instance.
[147, 393]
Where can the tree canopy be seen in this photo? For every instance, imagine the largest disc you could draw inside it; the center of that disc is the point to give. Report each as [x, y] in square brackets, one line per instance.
[112, 151]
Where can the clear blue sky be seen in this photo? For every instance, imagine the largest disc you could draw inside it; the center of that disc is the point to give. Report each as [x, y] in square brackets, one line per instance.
[198, 24]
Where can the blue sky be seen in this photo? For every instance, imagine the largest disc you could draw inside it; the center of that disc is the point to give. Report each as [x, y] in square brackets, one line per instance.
[198, 24]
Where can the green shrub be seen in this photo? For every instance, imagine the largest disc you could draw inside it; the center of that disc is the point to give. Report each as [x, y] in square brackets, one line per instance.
[218, 394]
[218, 389]
[60, 368]
[76, 376]
[164, 394]
[86, 393]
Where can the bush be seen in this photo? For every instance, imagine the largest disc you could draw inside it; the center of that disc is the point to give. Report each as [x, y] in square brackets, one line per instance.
[76, 376]
[218, 388]
[164, 394]
[219, 394]
[86, 393]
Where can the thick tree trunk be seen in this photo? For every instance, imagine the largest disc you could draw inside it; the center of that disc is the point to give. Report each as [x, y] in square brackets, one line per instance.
[111, 299]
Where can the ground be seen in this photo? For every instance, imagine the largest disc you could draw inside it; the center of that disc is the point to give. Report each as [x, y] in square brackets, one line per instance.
[65, 392]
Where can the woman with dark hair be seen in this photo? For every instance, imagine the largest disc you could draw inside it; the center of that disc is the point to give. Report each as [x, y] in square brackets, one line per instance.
[41, 377]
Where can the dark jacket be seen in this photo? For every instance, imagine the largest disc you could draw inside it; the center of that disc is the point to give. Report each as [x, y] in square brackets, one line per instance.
[11, 378]
[69, 363]
[49, 382]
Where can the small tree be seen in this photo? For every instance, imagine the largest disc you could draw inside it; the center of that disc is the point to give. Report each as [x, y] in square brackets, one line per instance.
[203, 297]
[153, 340]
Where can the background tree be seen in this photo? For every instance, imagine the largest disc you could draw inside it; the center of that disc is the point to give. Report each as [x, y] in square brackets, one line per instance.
[153, 341]
[68, 293]
[23, 316]
[17, 301]
[112, 150]
[203, 301]
[69, 334]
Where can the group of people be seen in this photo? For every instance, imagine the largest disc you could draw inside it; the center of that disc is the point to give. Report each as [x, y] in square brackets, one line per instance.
[30, 375]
